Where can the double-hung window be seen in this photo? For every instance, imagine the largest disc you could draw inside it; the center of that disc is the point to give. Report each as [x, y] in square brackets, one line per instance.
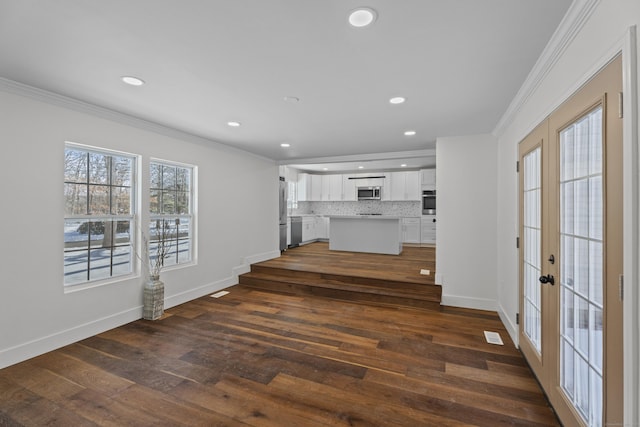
[99, 194]
[171, 213]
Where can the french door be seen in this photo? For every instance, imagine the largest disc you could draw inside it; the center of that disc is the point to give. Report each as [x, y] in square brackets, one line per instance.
[570, 186]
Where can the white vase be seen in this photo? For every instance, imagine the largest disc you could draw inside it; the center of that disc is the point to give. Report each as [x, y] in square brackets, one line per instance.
[153, 299]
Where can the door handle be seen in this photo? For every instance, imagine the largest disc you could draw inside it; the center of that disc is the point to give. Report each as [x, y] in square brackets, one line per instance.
[547, 279]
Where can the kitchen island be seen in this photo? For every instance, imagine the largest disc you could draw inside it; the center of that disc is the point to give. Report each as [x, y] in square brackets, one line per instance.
[378, 234]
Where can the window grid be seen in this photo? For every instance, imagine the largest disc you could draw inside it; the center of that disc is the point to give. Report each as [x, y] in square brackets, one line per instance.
[99, 217]
[171, 216]
[581, 278]
[532, 245]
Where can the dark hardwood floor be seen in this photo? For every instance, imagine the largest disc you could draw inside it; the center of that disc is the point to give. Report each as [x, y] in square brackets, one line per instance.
[260, 358]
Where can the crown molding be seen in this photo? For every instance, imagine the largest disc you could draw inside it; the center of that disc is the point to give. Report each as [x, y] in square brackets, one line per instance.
[74, 104]
[573, 21]
[361, 157]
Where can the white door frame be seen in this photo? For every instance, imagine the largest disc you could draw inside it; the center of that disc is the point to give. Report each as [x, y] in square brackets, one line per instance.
[631, 219]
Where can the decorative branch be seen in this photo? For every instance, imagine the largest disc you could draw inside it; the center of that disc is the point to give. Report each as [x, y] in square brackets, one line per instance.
[165, 235]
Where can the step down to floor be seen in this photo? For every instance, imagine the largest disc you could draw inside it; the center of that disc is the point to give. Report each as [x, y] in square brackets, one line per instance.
[344, 287]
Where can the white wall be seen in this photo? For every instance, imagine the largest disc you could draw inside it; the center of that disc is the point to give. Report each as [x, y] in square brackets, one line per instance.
[466, 211]
[237, 222]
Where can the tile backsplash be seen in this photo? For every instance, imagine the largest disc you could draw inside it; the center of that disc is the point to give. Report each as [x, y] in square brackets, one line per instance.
[404, 209]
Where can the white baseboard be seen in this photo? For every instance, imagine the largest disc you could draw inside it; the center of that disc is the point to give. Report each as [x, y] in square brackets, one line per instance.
[59, 339]
[467, 302]
[191, 294]
[511, 327]
[245, 267]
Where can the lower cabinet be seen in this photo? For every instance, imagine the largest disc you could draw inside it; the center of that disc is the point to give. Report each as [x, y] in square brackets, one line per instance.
[308, 228]
[314, 228]
[411, 230]
[428, 229]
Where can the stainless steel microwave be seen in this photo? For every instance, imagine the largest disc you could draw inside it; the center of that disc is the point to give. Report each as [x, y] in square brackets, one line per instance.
[369, 193]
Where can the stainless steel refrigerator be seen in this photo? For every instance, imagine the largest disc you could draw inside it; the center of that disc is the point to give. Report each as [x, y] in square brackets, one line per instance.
[282, 217]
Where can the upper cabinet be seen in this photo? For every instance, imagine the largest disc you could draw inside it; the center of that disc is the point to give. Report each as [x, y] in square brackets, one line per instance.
[309, 187]
[349, 192]
[428, 179]
[315, 188]
[405, 186]
[331, 188]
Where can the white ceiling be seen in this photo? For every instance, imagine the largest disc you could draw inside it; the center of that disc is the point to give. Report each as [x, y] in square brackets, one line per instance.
[459, 63]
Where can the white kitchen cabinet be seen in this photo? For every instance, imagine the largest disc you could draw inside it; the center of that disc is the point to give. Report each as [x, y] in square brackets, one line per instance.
[428, 178]
[386, 187]
[397, 186]
[314, 227]
[331, 187]
[308, 228]
[315, 188]
[405, 186]
[411, 230]
[413, 187]
[349, 188]
[428, 229]
[322, 227]
[304, 187]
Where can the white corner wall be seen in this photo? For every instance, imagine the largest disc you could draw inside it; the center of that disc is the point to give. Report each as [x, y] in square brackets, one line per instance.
[466, 233]
[237, 217]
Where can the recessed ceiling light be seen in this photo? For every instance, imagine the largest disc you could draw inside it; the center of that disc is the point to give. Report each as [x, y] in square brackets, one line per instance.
[403, 165]
[233, 124]
[362, 16]
[133, 81]
[285, 145]
[360, 167]
[397, 100]
[291, 99]
[410, 133]
[325, 169]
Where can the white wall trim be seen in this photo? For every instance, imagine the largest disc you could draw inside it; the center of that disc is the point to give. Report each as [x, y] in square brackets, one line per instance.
[512, 329]
[576, 16]
[252, 259]
[245, 266]
[191, 294]
[51, 342]
[631, 227]
[469, 302]
[427, 152]
[59, 100]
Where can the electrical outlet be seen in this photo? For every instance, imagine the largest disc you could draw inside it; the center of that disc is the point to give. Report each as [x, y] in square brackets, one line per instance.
[425, 272]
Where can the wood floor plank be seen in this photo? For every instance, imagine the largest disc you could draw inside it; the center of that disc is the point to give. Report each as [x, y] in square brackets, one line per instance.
[479, 406]
[261, 358]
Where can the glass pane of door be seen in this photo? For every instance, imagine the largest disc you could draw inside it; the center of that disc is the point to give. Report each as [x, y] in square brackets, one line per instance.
[581, 269]
[531, 245]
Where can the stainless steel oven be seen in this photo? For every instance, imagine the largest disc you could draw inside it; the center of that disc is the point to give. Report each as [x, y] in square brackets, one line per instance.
[429, 202]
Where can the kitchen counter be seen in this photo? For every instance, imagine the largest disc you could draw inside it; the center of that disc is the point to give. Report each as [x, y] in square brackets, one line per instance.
[380, 234]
